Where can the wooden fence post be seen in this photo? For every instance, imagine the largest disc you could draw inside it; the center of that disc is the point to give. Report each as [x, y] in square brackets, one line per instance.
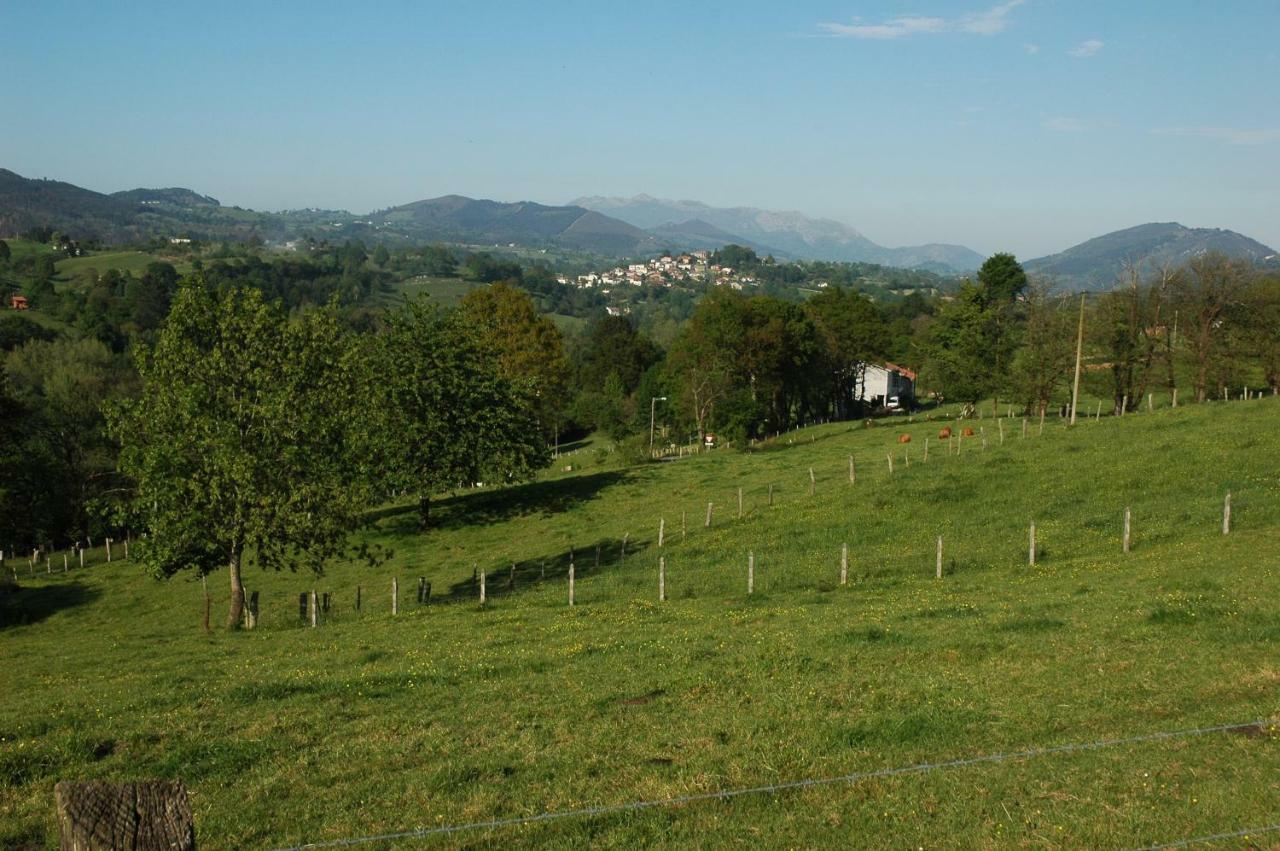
[751, 572]
[1150, 403]
[771, 494]
[1175, 398]
[483, 595]
[422, 586]
[108, 551]
[853, 478]
[64, 562]
[662, 578]
[1031, 553]
[682, 527]
[926, 450]
[1126, 528]
[813, 482]
[708, 524]
[844, 564]
[315, 609]
[395, 596]
[739, 503]
[570, 583]
[1226, 514]
[889, 455]
[999, 422]
[939, 556]
[662, 530]
[82, 556]
[1097, 414]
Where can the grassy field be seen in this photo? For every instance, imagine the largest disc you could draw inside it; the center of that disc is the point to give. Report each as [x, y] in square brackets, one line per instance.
[125, 261]
[451, 712]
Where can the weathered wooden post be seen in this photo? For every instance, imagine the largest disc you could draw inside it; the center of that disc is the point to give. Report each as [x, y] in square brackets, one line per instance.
[939, 556]
[1097, 414]
[682, 527]
[1031, 552]
[1126, 528]
[708, 523]
[64, 562]
[662, 578]
[82, 556]
[739, 503]
[483, 595]
[315, 609]
[751, 572]
[1124, 404]
[1151, 405]
[395, 595]
[853, 476]
[662, 530]
[146, 815]
[999, 422]
[844, 564]
[813, 482]
[1226, 514]
[108, 551]
[926, 450]
[571, 583]
[889, 456]
[1174, 398]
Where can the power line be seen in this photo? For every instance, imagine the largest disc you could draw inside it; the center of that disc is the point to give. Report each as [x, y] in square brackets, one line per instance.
[807, 783]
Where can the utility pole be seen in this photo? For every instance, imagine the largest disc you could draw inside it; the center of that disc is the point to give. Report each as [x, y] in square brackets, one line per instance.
[653, 401]
[1075, 387]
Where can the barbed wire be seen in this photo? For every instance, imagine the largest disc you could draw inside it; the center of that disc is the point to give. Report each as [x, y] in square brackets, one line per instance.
[1213, 837]
[774, 788]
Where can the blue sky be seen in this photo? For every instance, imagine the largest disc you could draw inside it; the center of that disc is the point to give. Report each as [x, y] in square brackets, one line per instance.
[1024, 126]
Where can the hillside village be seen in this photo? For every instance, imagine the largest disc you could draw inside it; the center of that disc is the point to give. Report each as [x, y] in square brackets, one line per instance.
[664, 271]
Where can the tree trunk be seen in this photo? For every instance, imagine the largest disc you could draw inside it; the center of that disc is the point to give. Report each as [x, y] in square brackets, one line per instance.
[424, 512]
[236, 611]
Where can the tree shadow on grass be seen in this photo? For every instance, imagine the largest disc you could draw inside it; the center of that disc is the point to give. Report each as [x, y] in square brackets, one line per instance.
[33, 603]
[495, 505]
[594, 559]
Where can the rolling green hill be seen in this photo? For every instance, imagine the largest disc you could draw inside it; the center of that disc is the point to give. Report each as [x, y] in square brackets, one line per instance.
[1099, 262]
[450, 713]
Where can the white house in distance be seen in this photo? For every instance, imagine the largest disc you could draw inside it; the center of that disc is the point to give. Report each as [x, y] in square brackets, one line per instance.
[882, 382]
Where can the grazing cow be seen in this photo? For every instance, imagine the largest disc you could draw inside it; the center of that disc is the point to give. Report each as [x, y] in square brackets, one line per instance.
[967, 432]
[945, 434]
[904, 438]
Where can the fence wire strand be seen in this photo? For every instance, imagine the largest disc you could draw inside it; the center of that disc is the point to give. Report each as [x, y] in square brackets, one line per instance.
[807, 783]
[1213, 837]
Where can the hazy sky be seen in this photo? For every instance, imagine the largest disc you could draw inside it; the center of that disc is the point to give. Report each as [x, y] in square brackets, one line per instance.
[1026, 125]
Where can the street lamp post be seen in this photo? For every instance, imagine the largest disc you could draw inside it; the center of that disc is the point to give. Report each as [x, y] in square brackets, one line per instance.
[653, 401]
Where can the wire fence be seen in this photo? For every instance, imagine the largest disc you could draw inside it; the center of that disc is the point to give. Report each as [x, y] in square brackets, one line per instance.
[794, 785]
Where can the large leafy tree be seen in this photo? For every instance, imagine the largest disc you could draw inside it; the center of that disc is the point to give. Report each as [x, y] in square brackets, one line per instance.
[238, 445]
[529, 347]
[1044, 362]
[853, 334]
[973, 341]
[441, 409]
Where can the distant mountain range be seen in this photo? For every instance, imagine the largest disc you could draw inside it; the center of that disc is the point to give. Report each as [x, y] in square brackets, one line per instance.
[610, 227]
[786, 234]
[1096, 264]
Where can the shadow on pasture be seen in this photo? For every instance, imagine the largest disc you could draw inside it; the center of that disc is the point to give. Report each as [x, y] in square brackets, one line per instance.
[33, 603]
[498, 504]
[589, 560]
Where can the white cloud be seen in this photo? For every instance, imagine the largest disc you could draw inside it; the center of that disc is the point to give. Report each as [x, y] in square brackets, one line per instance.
[1031, 48]
[1230, 135]
[892, 28]
[990, 22]
[987, 22]
[1086, 49]
[1064, 124]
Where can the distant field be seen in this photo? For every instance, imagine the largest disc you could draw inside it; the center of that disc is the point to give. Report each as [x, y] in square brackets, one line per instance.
[444, 291]
[124, 261]
[450, 713]
[23, 247]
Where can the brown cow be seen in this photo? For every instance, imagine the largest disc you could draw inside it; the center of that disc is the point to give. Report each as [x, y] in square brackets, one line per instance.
[904, 438]
[945, 434]
[967, 432]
